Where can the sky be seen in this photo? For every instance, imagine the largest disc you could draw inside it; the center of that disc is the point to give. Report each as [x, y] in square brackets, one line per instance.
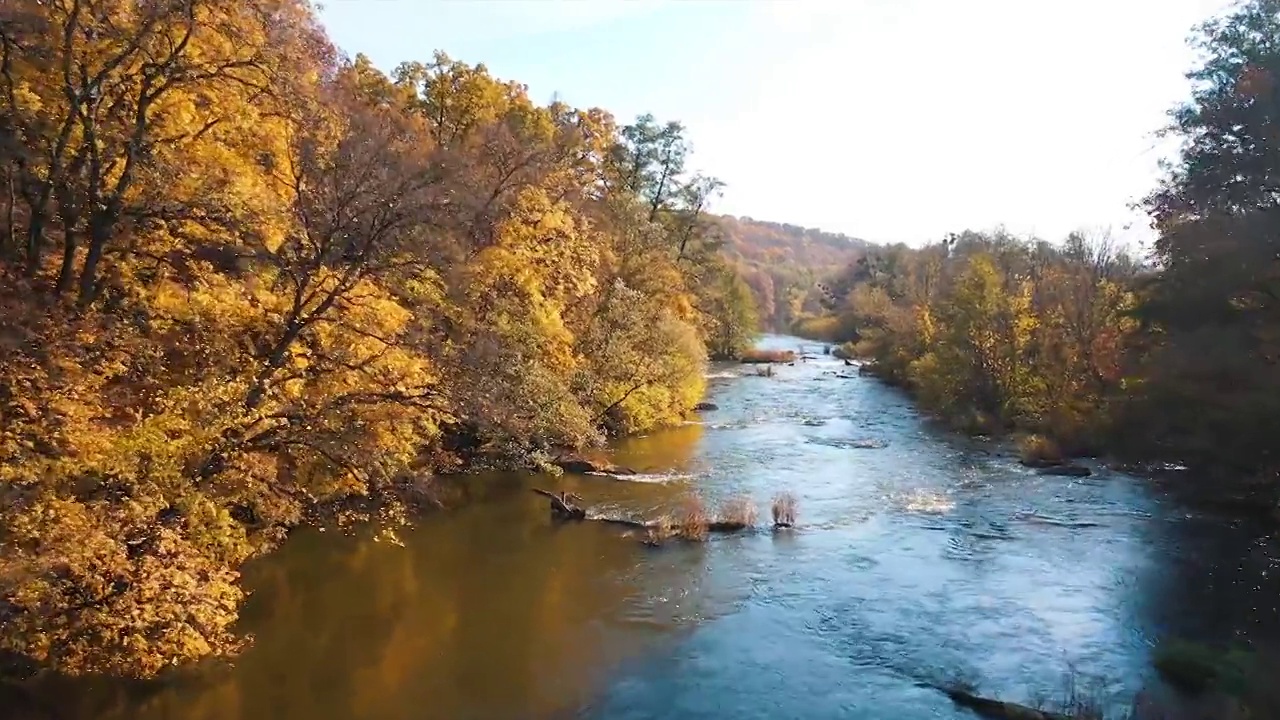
[888, 120]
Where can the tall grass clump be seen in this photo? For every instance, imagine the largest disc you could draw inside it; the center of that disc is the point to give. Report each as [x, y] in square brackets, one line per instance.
[784, 510]
[737, 511]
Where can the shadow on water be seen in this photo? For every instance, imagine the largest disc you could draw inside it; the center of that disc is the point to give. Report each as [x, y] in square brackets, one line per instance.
[919, 556]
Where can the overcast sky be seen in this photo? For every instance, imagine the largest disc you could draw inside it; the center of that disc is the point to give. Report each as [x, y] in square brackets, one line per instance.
[891, 120]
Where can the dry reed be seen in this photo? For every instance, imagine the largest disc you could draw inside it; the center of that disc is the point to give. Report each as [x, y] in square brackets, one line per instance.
[784, 509]
[738, 511]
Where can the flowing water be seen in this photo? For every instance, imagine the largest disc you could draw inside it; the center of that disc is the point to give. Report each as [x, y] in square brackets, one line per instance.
[919, 556]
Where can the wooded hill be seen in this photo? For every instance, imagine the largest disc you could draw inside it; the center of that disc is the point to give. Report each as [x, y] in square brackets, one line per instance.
[783, 264]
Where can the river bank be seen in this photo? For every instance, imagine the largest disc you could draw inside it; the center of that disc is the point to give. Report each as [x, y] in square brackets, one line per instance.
[1231, 495]
[918, 556]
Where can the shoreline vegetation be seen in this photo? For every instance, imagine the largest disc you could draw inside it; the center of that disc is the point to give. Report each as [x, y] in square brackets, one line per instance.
[1081, 349]
[247, 283]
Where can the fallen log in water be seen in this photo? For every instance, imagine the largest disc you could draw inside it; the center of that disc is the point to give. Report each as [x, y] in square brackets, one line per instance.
[998, 709]
[563, 507]
[624, 522]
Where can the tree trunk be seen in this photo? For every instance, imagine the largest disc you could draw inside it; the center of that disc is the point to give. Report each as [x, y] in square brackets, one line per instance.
[11, 232]
[66, 271]
[99, 231]
[35, 239]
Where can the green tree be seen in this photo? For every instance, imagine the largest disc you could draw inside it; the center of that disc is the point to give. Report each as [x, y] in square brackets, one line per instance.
[732, 312]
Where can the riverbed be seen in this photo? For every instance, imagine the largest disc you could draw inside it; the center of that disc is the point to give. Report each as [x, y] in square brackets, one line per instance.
[918, 557]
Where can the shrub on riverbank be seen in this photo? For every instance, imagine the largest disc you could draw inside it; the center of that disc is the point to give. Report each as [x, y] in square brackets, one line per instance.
[1037, 450]
[1239, 676]
[262, 284]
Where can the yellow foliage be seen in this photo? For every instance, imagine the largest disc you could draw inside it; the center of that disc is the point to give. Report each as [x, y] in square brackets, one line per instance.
[991, 333]
[264, 286]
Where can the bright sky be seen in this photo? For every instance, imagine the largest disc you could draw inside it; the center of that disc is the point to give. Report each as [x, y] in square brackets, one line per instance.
[890, 120]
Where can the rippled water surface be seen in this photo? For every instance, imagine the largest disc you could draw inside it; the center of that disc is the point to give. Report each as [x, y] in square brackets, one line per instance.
[919, 557]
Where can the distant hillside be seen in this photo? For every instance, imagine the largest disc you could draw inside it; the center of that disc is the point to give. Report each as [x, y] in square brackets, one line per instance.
[782, 263]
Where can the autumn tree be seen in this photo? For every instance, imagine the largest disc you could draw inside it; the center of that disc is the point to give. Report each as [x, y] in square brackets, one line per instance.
[291, 289]
[110, 98]
[1209, 395]
[731, 311]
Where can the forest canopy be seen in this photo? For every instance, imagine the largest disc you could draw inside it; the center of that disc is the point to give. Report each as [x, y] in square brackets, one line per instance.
[247, 281]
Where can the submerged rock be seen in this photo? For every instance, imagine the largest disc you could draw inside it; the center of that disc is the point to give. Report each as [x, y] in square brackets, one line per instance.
[1066, 470]
[576, 465]
[1041, 463]
[582, 466]
[1055, 466]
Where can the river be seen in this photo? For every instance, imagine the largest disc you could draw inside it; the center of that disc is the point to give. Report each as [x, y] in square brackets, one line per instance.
[925, 558]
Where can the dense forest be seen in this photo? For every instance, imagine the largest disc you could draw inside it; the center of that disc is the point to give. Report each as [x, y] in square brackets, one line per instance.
[1171, 358]
[247, 282]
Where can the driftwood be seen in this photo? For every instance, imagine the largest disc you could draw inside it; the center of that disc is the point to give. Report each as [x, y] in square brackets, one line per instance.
[1040, 463]
[998, 709]
[563, 507]
[1055, 466]
[1066, 471]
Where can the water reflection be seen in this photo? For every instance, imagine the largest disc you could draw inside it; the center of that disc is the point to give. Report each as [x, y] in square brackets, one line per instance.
[918, 557]
[484, 611]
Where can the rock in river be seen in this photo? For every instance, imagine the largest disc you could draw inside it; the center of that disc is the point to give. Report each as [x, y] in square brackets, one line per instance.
[584, 466]
[1066, 470]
